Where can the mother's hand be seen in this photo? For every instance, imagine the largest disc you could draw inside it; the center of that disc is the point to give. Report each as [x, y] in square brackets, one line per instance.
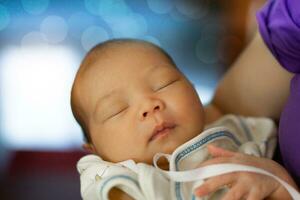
[245, 185]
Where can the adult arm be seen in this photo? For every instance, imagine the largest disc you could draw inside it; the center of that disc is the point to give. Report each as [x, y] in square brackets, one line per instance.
[256, 85]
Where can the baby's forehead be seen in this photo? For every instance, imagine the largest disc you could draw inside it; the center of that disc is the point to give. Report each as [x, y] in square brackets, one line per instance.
[106, 58]
[117, 59]
[114, 49]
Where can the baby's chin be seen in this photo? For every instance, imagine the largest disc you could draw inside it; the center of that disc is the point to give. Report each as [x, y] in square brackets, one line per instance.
[170, 146]
[167, 148]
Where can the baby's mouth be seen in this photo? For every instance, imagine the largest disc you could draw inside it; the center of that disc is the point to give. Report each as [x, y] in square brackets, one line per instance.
[162, 130]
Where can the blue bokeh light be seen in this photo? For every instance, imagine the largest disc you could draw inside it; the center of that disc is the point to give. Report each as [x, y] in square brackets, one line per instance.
[160, 6]
[92, 36]
[178, 16]
[35, 7]
[4, 17]
[105, 8]
[194, 9]
[207, 48]
[34, 38]
[55, 28]
[132, 25]
[78, 22]
[92, 6]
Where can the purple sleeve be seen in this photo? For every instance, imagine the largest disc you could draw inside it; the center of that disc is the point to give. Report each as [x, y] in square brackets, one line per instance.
[279, 26]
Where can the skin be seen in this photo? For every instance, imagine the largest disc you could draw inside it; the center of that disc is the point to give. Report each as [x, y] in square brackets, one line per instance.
[247, 89]
[245, 185]
[255, 85]
[147, 91]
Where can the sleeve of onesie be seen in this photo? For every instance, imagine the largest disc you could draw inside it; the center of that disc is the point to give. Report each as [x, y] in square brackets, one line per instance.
[279, 26]
[98, 177]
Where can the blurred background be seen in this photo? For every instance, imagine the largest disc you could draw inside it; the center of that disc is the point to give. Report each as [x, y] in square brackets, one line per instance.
[41, 45]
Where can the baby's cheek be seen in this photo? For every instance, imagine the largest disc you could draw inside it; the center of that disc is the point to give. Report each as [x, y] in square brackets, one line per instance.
[193, 115]
[190, 106]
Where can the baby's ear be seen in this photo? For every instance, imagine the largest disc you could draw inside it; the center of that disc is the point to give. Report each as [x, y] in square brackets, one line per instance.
[89, 148]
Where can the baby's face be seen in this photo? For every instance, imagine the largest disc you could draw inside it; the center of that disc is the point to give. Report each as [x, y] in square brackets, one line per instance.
[138, 104]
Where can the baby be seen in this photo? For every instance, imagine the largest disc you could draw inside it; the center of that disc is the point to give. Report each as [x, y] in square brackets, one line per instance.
[132, 102]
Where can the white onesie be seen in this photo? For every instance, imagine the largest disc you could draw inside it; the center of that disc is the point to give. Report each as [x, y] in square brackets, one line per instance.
[254, 136]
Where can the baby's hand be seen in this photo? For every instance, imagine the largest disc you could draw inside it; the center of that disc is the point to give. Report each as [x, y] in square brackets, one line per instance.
[245, 185]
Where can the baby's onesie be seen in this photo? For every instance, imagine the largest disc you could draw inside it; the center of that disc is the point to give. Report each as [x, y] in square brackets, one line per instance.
[253, 136]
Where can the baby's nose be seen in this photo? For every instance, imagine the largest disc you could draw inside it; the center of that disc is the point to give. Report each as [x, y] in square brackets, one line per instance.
[150, 107]
[147, 112]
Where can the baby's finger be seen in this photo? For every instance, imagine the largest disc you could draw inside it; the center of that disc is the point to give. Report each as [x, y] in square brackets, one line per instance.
[264, 190]
[214, 183]
[255, 195]
[237, 192]
[219, 152]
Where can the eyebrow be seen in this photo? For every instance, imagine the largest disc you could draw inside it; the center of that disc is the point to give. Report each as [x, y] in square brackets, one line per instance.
[108, 95]
[152, 69]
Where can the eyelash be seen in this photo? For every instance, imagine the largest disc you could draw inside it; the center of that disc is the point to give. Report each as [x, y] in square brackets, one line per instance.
[167, 85]
[117, 113]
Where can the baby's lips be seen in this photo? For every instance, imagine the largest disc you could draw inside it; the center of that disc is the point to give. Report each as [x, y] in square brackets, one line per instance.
[158, 128]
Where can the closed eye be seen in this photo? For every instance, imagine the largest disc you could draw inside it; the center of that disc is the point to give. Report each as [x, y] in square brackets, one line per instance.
[117, 113]
[170, 83]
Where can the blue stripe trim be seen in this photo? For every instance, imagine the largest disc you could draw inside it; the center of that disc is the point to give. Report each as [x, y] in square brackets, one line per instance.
[115, 177]
[246, 129]
[204, 141]
[267, 148]
[195, 146]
